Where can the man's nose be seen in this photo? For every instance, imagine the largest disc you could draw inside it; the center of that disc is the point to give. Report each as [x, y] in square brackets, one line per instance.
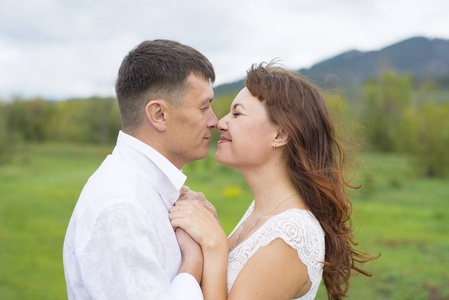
[213, 121]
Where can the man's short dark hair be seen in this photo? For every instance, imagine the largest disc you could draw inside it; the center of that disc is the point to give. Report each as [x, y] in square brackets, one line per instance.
[156, 70]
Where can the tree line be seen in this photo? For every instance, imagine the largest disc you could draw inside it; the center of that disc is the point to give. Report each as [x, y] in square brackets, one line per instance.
[94, 120]
[390, 113]
[409, 117]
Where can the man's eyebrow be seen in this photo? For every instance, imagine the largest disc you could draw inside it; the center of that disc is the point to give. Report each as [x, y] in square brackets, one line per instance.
[207, 101]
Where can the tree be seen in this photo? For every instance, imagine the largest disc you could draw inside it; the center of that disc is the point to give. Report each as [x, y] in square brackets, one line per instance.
[28, 118]
[6, 138]
[426, 136]
[384, 101]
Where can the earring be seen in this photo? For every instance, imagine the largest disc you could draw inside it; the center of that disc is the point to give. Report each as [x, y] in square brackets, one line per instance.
[274, 147]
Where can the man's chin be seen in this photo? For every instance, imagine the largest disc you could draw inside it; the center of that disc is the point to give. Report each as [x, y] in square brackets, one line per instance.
[200, 156]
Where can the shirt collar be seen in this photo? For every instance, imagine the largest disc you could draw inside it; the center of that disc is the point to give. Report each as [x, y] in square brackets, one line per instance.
[176, 177]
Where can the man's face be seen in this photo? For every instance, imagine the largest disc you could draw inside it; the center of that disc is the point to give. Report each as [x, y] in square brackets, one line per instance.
[189, 124]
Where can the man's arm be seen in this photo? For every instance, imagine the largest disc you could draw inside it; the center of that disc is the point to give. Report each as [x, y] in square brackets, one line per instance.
[192, 257]
[121, 260]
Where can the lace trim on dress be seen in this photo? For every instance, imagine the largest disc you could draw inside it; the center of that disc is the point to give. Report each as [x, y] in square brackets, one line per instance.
[299, 229]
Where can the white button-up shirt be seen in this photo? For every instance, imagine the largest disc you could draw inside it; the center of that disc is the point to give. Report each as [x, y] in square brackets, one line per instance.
[119, 243]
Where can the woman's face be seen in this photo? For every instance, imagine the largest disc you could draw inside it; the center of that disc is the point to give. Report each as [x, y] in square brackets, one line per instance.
[247, 135]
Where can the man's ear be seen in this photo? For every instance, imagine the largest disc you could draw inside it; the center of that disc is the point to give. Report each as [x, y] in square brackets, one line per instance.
[156, 113]
[281, 138]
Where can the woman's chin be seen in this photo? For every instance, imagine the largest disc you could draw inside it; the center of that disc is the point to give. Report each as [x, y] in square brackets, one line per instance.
[220, 159]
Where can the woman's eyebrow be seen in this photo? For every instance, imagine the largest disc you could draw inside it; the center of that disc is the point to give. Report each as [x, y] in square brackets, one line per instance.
[237, 104]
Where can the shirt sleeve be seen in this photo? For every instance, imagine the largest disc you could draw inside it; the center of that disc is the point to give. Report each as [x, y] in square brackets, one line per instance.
[185, 284]
[119, 262]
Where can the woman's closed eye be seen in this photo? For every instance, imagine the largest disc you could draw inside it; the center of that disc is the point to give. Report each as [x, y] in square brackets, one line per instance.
[235, 114]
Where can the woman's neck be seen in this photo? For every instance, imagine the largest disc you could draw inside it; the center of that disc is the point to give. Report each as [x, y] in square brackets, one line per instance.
[271, 185]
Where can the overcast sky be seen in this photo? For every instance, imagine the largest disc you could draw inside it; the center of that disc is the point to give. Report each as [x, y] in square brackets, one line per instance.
[59, 48]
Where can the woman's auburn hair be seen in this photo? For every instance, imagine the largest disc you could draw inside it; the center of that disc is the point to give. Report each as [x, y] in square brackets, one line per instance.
[316, 161]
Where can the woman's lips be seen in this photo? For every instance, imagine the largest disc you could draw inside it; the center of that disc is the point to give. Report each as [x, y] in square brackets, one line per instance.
[224, 140]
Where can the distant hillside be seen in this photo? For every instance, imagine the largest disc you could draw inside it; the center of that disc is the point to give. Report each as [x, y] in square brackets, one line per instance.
[420, 56]
[228, 88]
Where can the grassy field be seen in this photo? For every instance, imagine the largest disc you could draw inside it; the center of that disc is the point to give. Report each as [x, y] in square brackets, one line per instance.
[404, 218]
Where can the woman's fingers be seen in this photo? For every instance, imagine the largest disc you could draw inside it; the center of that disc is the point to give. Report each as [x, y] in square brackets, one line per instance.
[185, 191]
[188, 193]
[208, 205]
[186, 200]
[193, 217]
[176, 222]
[200, 198]
[186, 208]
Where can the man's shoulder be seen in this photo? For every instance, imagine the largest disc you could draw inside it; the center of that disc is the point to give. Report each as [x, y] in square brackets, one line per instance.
[118, 181]
[112, 169]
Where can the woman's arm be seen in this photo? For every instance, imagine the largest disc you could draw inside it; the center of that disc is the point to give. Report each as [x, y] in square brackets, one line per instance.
[273, 272]
[190, 215]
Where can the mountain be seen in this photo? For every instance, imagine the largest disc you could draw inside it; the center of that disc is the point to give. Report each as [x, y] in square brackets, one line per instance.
[420, 56]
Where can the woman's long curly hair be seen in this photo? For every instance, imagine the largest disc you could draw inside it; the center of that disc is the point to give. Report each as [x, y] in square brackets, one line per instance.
[316, 161]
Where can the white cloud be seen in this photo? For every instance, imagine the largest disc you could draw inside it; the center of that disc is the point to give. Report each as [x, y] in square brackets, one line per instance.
[61, 49]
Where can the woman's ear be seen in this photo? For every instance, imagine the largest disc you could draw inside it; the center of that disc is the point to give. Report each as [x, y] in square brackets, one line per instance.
[281, 139]
[156, 113]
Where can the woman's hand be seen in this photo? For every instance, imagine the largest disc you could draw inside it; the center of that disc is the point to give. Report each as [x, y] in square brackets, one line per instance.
[185, 191]
[190, 214]
[193, 213]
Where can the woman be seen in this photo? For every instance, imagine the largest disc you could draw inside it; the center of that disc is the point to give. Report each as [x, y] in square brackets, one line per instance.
[279, 135]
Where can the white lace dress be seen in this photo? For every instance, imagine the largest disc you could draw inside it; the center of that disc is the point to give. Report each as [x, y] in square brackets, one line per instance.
[299, 229]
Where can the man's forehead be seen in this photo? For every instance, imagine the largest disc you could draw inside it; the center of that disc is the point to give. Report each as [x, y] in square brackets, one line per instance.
[201, 80]
[200, 89]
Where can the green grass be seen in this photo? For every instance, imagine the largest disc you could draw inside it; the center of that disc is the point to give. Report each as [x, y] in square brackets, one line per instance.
[38, 190]
[404, 218]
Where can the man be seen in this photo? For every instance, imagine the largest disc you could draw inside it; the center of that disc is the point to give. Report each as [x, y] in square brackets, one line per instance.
[119, 242]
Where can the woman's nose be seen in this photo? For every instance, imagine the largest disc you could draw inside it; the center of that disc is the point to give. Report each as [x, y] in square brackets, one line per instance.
[223, 123]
